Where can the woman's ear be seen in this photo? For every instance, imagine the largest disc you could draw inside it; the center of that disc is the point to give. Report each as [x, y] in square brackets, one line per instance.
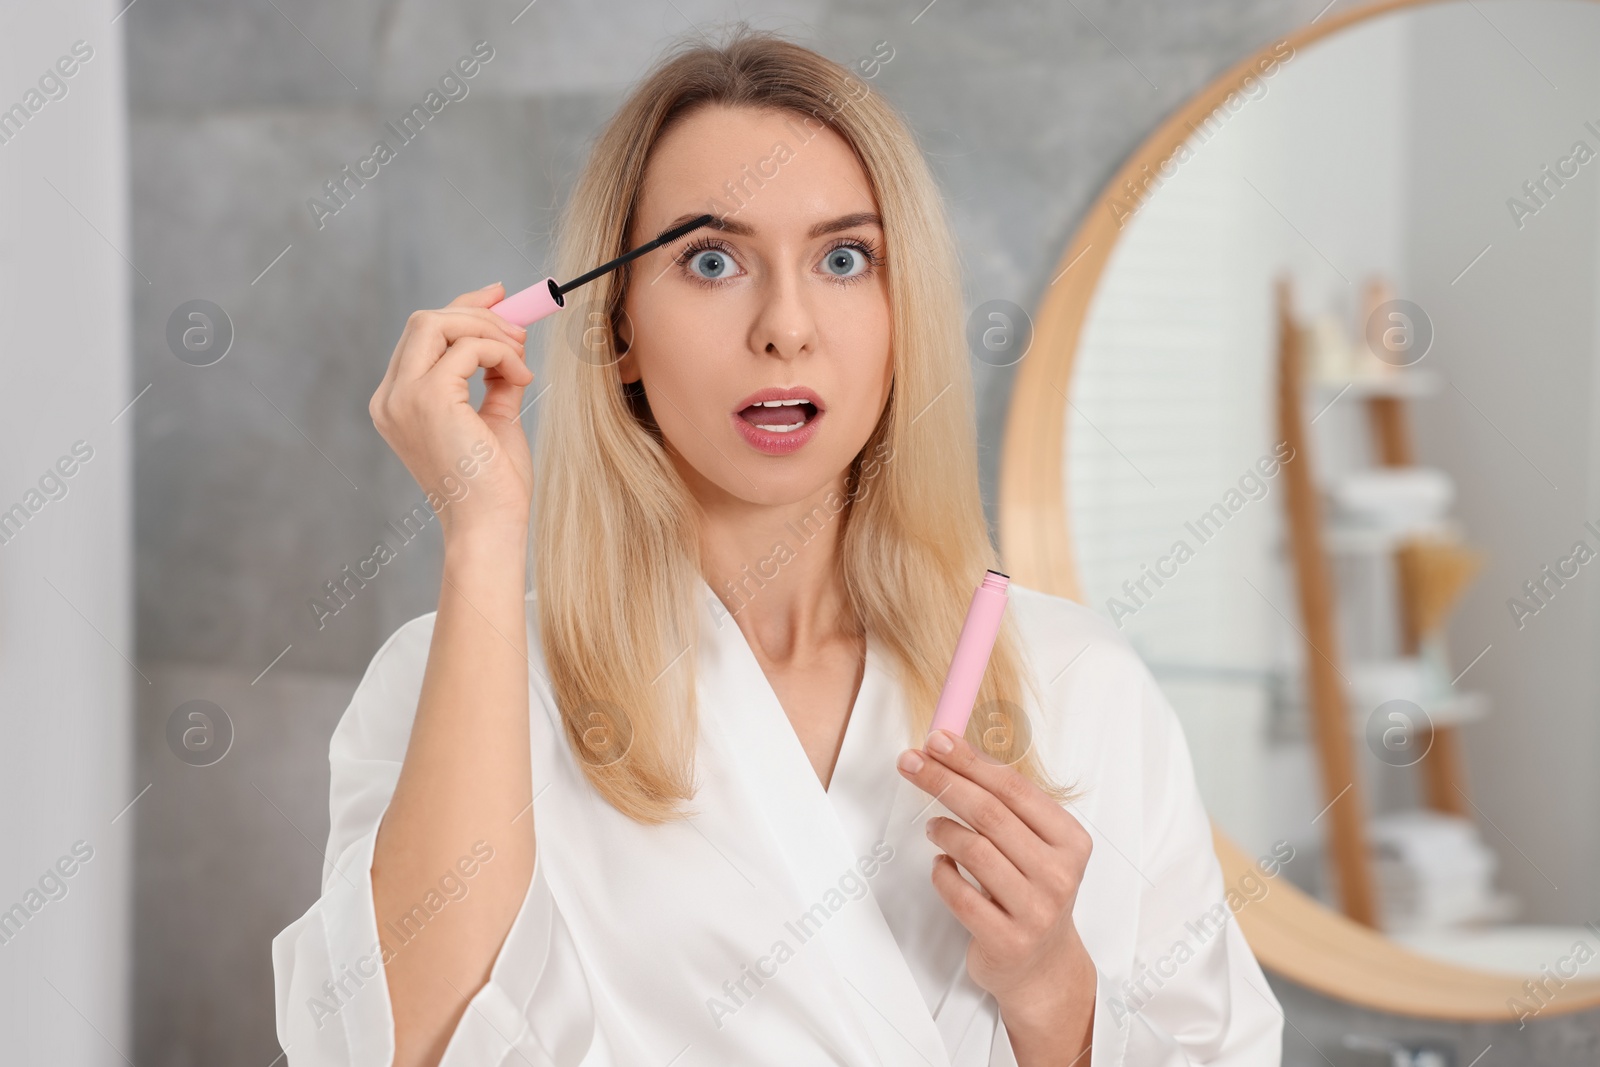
[627, 366]
[628, 369]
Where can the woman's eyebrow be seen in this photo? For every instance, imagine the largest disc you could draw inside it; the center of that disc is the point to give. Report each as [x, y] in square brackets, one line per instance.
[846, 222]
[821, 229]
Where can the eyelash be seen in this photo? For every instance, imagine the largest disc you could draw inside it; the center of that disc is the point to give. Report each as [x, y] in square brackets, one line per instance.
[867, 248]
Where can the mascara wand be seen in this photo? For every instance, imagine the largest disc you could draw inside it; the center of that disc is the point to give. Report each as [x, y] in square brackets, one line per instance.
[528, 306]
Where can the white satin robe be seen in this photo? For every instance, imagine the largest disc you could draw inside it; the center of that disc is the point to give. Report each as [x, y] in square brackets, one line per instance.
[689, 945]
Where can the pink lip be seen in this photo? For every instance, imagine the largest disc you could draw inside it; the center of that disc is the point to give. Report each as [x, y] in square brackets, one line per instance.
[778, 444]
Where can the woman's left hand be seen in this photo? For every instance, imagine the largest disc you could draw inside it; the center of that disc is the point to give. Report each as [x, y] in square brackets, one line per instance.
[1028, 854]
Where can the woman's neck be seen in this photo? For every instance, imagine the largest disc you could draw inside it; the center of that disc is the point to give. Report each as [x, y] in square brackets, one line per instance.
[777, 570]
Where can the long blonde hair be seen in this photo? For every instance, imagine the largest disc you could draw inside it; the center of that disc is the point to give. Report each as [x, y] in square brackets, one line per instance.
[616, 531]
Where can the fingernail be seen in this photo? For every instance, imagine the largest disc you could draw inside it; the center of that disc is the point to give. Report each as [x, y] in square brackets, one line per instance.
[928, 829]
[491, 285]
[940, 742]
[910, 762]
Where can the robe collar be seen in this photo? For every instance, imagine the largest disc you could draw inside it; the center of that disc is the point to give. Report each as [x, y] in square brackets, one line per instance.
[882, 1003]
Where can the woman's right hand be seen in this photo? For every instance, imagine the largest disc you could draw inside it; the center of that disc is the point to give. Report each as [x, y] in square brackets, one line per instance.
[423, 409]
[467, 771]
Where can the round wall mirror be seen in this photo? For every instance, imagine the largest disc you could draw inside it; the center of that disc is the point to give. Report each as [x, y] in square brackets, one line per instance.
[1312, 413]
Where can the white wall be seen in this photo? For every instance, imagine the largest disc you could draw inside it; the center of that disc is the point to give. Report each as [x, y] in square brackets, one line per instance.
[1516, 337]
[66, 637]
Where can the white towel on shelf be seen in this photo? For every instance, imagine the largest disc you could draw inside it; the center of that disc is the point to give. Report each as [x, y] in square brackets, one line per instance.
[1393, 497]
[1432, 870]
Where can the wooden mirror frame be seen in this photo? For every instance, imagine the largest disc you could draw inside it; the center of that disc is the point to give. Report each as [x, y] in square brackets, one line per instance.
[1292, 933]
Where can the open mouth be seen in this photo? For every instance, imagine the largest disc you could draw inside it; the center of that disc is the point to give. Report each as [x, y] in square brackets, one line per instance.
[779, 416]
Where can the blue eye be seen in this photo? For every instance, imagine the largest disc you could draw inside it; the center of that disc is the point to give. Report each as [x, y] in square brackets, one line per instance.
[709, 261]
[841, 260]
[715, 262]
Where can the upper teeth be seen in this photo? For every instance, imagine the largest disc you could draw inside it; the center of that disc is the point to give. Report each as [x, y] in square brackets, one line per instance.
[778, 403]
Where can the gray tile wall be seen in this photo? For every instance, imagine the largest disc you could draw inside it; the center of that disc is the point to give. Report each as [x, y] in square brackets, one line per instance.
[259, 477]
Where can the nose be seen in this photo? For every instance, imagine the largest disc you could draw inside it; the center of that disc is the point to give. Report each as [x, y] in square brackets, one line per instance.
[785, 325]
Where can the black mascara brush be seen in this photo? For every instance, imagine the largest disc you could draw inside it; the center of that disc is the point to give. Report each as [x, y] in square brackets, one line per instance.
[543, 298]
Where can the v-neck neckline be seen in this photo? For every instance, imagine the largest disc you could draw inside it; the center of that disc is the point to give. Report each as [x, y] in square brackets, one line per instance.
[867, 694]
[823, 832]
[853, 726]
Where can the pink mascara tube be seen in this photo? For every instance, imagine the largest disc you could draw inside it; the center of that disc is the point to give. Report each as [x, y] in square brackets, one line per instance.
[528, 306]
[972, 655]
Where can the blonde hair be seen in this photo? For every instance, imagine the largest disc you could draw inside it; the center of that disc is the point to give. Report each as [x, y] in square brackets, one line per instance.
[616, 531]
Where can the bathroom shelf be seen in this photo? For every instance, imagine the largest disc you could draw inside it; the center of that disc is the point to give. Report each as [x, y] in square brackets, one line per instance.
[1469, 706]
[1401, 384]
[1350, 539]
[1425, 569]
[1459, 708]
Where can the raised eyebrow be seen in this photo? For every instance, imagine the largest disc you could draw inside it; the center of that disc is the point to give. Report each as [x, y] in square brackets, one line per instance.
[821, 229]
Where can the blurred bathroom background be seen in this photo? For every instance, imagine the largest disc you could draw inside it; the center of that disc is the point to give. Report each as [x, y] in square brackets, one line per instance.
[188, 335]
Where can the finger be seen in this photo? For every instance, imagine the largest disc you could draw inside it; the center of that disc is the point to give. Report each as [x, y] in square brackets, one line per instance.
[502, 393]
[430, 333]
[509, 330]
[488, 296]
[1006, 886]
[984, 812]
[1031, 804]
[982, 918]
[464, 358]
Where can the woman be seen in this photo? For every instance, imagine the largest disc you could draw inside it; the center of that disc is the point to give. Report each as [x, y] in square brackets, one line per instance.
[668, 806]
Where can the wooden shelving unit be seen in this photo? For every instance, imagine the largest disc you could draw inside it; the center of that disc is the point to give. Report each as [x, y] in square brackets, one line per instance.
[1418, 555]
[1325, 695]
